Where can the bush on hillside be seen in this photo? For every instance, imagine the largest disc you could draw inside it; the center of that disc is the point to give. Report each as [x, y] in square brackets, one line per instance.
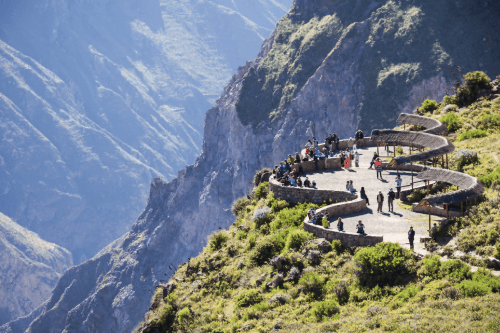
[248, 298]
[485, 277]
[489, 121]
[384, 264]
[491, 177]
[452, 122]
[465, 157]
[296, 238]
[477, 79]
[429, 105]
[451, 100]
[217, 241]
[312, 282]
[263, 251]
[261, 216]
[452, 293]
[475, 133]
[239, 206]
[473, 288]
[325, 309]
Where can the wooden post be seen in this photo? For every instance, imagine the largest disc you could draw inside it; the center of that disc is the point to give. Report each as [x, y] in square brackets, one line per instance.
[447, 161]
[462, 207]
[411, 165]
[447, 214]
[442, 161]
[428, 182]
[404, 126]
[394, 145]
[377, 149]
[410, 149]
[429, 219]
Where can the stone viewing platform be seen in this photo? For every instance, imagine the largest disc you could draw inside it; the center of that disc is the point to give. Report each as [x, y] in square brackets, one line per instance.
[331, 179]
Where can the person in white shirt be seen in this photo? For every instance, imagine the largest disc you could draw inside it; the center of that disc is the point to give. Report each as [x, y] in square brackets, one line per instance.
[356, 160]
[399, 181]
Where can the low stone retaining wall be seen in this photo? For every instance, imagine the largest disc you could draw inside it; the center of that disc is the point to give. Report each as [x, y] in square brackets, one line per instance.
[331, 163]
[304, 194]
[438, 211]
[346, 238]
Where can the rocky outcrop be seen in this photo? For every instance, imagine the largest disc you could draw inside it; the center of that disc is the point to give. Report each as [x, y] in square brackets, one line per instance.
[111, 292]
[29, 269]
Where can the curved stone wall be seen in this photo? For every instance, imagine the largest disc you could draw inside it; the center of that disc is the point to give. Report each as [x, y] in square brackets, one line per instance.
[304, 194]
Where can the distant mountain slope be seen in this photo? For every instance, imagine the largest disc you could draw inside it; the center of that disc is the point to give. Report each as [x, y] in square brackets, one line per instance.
[116, 284]
[29, 269]
[98, 97]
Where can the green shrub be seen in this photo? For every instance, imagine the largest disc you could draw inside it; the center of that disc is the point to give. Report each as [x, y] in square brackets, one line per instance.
[451, 100]
[296, 238]
[455, 269]
[341, 291]
[183, 316]
[248, 297]
[276, 204]
[312, 282]
[263, 251]
[325, 222]
[399, 150]
[251, 241]
[485, 277]
[262, 216]
[475, 133]
[431, 267]
[452, 122]
[429, 105]
[262, 190]
[239, 206]
[465, 157]
[473, 288]
[384, 264]
[477, 79]
[408, 292]
[166, 319]
[416, 195]
[325, 309]
[491, 177]
[217, 241]
[489, 121]
[337, 246]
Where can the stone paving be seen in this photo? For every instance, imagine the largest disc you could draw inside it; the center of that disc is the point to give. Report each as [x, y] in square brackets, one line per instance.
[393, 226]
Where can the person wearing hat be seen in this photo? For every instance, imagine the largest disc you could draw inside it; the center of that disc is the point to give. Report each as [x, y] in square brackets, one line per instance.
[390, 199]
[411, 236]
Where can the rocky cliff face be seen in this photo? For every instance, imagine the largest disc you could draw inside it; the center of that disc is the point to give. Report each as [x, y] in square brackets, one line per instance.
[375, 68]
[99, 97]
[29, 269]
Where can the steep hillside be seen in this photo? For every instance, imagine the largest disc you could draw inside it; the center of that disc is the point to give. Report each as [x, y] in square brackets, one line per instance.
[29, 269]
[181, 213]
[99, 97]
[265, 273]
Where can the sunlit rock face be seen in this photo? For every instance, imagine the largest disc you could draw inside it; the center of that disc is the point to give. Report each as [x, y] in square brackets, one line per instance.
[99, 97]
[29, 269]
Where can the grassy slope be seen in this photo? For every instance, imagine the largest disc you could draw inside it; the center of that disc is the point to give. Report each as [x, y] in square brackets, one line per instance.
[335, 292]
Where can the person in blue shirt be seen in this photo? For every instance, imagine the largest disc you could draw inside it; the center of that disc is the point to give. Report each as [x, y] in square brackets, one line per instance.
[340, 224]
[360, 226]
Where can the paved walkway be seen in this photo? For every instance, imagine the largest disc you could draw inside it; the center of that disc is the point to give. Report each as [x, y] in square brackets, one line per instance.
[393, 226]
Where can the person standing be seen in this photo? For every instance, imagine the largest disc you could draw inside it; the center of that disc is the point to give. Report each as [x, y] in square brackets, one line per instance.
[411, 237]
[390, 199]
[356, 160]
[364, 196]
[399, 181]
[380, 201]
[379, 169]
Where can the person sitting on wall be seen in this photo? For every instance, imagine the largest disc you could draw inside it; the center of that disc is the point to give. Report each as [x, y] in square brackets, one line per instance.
[340, 224]
[313, 220]
[322, 156]
[359, 138]
[361, 228]
[297, 158]
[315, 143]
[374, 158]
[307, 183]
[335, 140]
[287, 166]
[275, 172]
[299, 182]
[313, 183]
[290, 159]
[364, 196]
[293, 181]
